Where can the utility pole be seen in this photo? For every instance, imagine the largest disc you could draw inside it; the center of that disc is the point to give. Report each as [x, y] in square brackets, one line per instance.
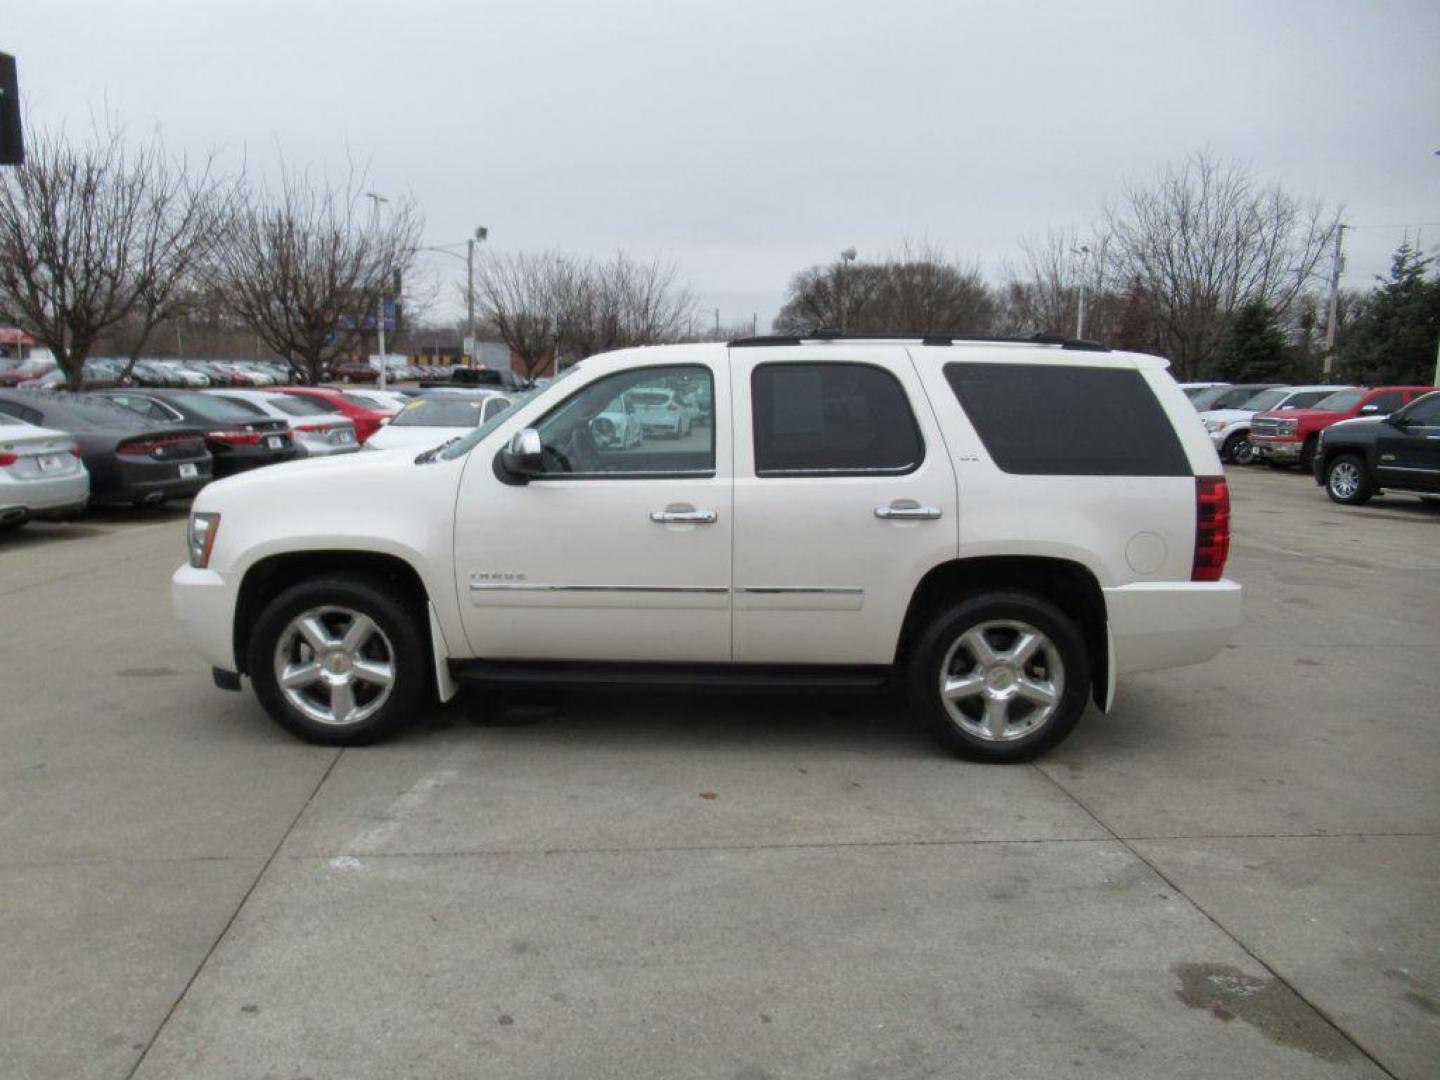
[717, 324]
[1337, 262]
[1084, 253]
[848, 255]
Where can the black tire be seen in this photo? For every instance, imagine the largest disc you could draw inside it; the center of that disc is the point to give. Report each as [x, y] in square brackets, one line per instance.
[1347, 480]
[941, 639]
[1237, 449]
[402, 638]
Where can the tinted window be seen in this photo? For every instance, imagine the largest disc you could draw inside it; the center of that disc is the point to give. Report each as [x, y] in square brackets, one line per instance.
[211, 407]
[1384, 403]
[1340, 401]
[597, 432]
[1048, 420]
[356, 402]
[1424, 410]
[249, 408]
[1306, 399]
[23, 412]
[299, 406]
[832, 418]
[1266, 399]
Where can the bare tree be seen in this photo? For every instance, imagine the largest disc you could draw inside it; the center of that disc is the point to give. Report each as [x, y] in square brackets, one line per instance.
[916, 290]
[99, 235]
[1044, 295]
[1204, 241]
[308, 265]
[549, 304]
[521, 296]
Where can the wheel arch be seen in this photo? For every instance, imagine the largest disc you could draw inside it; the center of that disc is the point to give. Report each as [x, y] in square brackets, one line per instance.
[273, 574]
[1069, 585]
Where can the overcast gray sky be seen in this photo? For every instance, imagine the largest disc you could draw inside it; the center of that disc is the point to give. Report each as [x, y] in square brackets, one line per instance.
[748, 139]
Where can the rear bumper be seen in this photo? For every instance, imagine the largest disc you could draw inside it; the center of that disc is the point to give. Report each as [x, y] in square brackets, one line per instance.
[1171, 624]
[54, 495]
[204, 604]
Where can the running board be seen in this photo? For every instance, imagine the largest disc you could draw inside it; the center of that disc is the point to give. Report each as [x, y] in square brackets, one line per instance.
[709, 676]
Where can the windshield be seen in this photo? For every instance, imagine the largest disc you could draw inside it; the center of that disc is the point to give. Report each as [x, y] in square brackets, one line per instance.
[441, 412]
[465, 445]
[1266, 399]
[1341, 401]
[357, 402]
[299, 406]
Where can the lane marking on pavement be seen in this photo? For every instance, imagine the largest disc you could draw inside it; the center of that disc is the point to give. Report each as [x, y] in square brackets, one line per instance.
[400, 811]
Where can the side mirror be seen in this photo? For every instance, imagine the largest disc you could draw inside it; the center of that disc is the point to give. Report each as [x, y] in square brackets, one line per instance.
[522, 457]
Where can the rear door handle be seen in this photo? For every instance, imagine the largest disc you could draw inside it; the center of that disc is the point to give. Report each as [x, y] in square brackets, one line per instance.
[907, 510]
[676, 516]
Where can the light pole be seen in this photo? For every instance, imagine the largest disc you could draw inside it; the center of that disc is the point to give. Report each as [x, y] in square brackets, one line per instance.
[375, 201]
[848, 255]
[481, 235]
[1084, 253]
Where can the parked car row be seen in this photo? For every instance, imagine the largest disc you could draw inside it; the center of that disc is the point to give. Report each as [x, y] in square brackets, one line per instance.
[61, 452]
[1355, 440]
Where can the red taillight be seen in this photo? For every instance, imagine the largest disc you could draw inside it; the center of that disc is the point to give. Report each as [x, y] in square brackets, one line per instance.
[7, 459]
[75, 450]
[237, 438]
[312, 428]
[183, 445]
[1212, 528]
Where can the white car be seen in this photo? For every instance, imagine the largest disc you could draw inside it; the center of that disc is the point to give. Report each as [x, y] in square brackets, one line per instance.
[1229, 429]
[41, 474]
[431, 420]
[660, 411]
[316, 430]
[853, 511]
[380, 399]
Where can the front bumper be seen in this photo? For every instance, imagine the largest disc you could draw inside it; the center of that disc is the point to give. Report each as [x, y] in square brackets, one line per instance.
[1170, 624]
[204, 604]
[1277, 449]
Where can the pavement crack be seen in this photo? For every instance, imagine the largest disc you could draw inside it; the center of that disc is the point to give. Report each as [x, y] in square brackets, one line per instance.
[224, 930]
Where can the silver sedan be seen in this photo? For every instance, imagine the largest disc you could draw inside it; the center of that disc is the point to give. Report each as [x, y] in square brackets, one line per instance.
[41, 474]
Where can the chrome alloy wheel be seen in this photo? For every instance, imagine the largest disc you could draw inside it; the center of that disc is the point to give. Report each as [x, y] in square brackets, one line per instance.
[1002, 680]
[334, 665]
[1344, 480]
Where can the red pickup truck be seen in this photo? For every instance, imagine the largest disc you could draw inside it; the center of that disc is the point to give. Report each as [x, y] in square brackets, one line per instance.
[1289, 437]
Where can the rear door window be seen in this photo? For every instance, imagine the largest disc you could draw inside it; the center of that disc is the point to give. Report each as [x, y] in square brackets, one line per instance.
[1053, 420]
[832, 419]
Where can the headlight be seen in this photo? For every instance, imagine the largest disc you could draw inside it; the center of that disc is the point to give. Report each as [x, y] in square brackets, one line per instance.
[1213, 426]
[200, 537]
[1288, 427]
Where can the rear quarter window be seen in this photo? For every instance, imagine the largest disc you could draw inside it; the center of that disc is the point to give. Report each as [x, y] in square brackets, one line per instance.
[1054, 420]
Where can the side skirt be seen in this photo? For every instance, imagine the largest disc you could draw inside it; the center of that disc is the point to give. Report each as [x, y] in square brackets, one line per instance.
[709, 676]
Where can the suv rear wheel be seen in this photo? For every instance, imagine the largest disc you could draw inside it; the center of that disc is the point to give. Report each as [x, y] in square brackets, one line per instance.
[1002, 677]
[1347, 482]
[337, 661]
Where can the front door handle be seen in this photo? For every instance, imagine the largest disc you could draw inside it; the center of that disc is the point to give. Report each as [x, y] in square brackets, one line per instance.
[676, 515]
[907, 510]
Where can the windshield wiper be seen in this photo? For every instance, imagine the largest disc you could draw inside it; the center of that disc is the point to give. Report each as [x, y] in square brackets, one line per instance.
[429, 455]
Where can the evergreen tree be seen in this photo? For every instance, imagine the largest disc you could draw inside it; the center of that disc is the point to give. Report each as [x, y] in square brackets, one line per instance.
[1395, 333]
[1255, 348]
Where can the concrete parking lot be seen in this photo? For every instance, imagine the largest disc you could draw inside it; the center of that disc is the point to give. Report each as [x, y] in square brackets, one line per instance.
[1235, 874]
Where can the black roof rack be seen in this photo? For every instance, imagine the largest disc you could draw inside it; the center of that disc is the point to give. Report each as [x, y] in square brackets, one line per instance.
[827, 334]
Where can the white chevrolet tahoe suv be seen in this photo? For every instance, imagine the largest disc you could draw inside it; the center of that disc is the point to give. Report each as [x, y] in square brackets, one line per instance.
[1006, 527]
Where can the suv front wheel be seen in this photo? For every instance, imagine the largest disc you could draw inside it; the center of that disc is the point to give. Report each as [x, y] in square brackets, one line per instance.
[338, 661]
[1002, 677]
